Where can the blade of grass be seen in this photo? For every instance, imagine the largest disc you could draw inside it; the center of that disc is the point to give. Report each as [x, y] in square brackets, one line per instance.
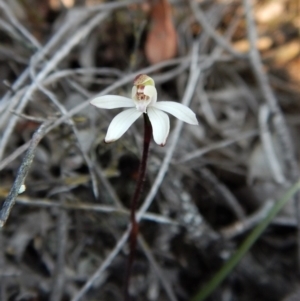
[246, 245]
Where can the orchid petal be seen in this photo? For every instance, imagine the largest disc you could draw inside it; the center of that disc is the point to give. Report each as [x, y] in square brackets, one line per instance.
[178, 110]
[151, 92]
[141, 105]
[112, 102]
[160, 124]
[121, 123]
[133, 92]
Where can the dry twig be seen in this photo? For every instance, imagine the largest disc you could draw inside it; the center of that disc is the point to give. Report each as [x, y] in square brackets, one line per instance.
[209, 30]
[22, 174]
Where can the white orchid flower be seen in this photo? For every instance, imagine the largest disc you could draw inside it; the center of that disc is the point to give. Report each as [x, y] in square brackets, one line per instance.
[144, 100]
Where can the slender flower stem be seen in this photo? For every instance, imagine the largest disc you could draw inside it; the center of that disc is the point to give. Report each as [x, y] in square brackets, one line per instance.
[134, 202]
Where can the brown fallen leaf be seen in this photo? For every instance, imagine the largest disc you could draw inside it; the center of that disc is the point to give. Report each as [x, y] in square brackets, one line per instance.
[161, 42]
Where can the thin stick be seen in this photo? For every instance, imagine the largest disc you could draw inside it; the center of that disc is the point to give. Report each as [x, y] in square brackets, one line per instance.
[268, 145]
[248, 223]
[134, 202]
[214, 146]
[46, 203]
[14, 21]
[22, 173]
[156, 267]
[209, 30]
[105, 264]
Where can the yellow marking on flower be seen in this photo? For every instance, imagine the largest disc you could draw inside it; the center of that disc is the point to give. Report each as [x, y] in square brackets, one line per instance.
[143, 80]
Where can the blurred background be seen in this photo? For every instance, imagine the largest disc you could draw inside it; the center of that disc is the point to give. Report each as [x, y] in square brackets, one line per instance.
[206, 189]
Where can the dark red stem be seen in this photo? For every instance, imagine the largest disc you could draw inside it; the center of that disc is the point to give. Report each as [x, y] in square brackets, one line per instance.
[135, 200]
